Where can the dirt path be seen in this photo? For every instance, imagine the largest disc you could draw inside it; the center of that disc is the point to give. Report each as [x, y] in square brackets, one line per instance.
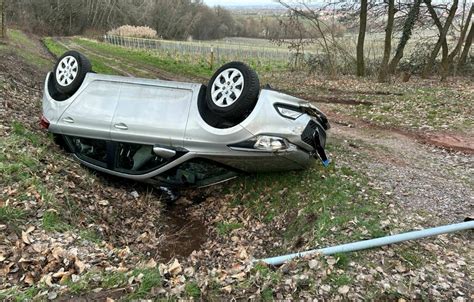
[132, 68]
[420, 177]
[76, 47]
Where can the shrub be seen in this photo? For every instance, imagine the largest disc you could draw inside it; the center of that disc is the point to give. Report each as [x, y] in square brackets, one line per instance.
[418, 59]
[133, 31]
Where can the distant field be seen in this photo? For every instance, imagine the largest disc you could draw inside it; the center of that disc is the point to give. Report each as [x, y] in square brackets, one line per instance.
[269, 54]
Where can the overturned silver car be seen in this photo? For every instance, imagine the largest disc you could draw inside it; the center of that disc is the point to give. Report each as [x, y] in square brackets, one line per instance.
[179, 134]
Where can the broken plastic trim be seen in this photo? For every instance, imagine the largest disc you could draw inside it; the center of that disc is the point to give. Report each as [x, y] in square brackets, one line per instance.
[377, 242]
[319, 150]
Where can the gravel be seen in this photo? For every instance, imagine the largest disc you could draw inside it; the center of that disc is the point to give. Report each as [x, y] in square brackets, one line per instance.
[420, 177]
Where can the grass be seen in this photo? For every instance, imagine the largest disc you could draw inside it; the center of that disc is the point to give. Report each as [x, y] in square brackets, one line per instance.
[164, 62]
[436, 107]
[340, 280]
[151, 278]
[225, 228]
[10, 215]
[51, 221]
[97, 64]
[19, 295]
[318, 204]
[192, 290]
[23, 46]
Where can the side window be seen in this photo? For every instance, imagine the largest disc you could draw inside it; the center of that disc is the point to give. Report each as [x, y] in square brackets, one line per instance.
[137, 159]
[91, 150]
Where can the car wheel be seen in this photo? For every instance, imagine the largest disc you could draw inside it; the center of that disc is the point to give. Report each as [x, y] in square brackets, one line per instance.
[233, 90]
[70, 71]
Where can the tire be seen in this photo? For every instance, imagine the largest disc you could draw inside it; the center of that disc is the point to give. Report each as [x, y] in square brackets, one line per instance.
[70, 71]
[233, 91]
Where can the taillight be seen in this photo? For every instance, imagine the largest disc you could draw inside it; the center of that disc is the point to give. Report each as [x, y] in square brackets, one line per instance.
[44, 123]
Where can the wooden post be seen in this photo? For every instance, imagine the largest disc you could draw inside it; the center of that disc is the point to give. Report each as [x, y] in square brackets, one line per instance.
[3, 27]
[212, 58]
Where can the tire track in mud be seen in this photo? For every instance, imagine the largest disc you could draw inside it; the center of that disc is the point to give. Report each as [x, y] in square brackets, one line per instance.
[141, 70]
[76, 47]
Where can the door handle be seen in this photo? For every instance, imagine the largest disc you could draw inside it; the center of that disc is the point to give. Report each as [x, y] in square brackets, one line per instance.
[121, 126]
[68, 119]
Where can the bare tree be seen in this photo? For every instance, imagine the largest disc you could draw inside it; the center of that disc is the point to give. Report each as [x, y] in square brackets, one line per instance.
[406, 34]
[467, 46]
[361, 38]
[3, 27]
[437, 22]
[326, 40]
[442, 38]
[446, 64]
[383, 73]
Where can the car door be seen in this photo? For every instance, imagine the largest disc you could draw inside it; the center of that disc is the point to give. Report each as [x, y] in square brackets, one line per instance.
[151, 114]
[90, 114]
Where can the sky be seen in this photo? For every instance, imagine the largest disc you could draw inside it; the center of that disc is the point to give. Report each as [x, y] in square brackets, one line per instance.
[237, 2]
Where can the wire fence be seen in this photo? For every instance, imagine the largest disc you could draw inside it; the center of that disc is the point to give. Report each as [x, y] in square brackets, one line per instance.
[216, 52]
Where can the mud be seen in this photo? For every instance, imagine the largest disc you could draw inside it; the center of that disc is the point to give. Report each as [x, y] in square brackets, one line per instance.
[450, 141]
[185, 233]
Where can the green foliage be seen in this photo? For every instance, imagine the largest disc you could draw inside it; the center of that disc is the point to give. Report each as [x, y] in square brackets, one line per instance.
[319, 202]
[267, 294]
[21, 45]
[51, 221]
[192, 290]
[340, 280]
[151, 278]
[225, 228]
[54, 47]
[97, 63]
[19, 295]
[10, 215]
[342, 260]
[165, 62]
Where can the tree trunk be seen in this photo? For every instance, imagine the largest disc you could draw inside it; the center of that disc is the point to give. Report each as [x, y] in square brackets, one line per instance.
[3, 27]
[450, 59]
[467, 46]
[441, 39]
[438, 24]
[406, 34]
[361, 38]
[383, 73]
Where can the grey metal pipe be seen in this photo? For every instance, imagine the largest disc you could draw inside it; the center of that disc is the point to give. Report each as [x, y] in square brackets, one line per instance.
[367, 244]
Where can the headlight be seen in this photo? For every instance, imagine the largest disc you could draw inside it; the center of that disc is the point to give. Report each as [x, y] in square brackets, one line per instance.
[289, 111]
[270, 143]
[265, 143]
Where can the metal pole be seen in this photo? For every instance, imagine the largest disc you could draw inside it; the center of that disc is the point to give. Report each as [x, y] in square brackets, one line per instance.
[366, 244]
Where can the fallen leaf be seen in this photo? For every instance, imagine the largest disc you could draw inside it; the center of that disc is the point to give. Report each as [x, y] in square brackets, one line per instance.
[343, 289]
[151, 263]
[103, 202]
[25, 238]
[175, 268]
[79, 265]
[243, 254]
[313, 264]
[29, 279]
[30, 229]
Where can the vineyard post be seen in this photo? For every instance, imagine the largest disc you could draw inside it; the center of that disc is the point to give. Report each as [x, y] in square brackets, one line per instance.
[212, 57]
